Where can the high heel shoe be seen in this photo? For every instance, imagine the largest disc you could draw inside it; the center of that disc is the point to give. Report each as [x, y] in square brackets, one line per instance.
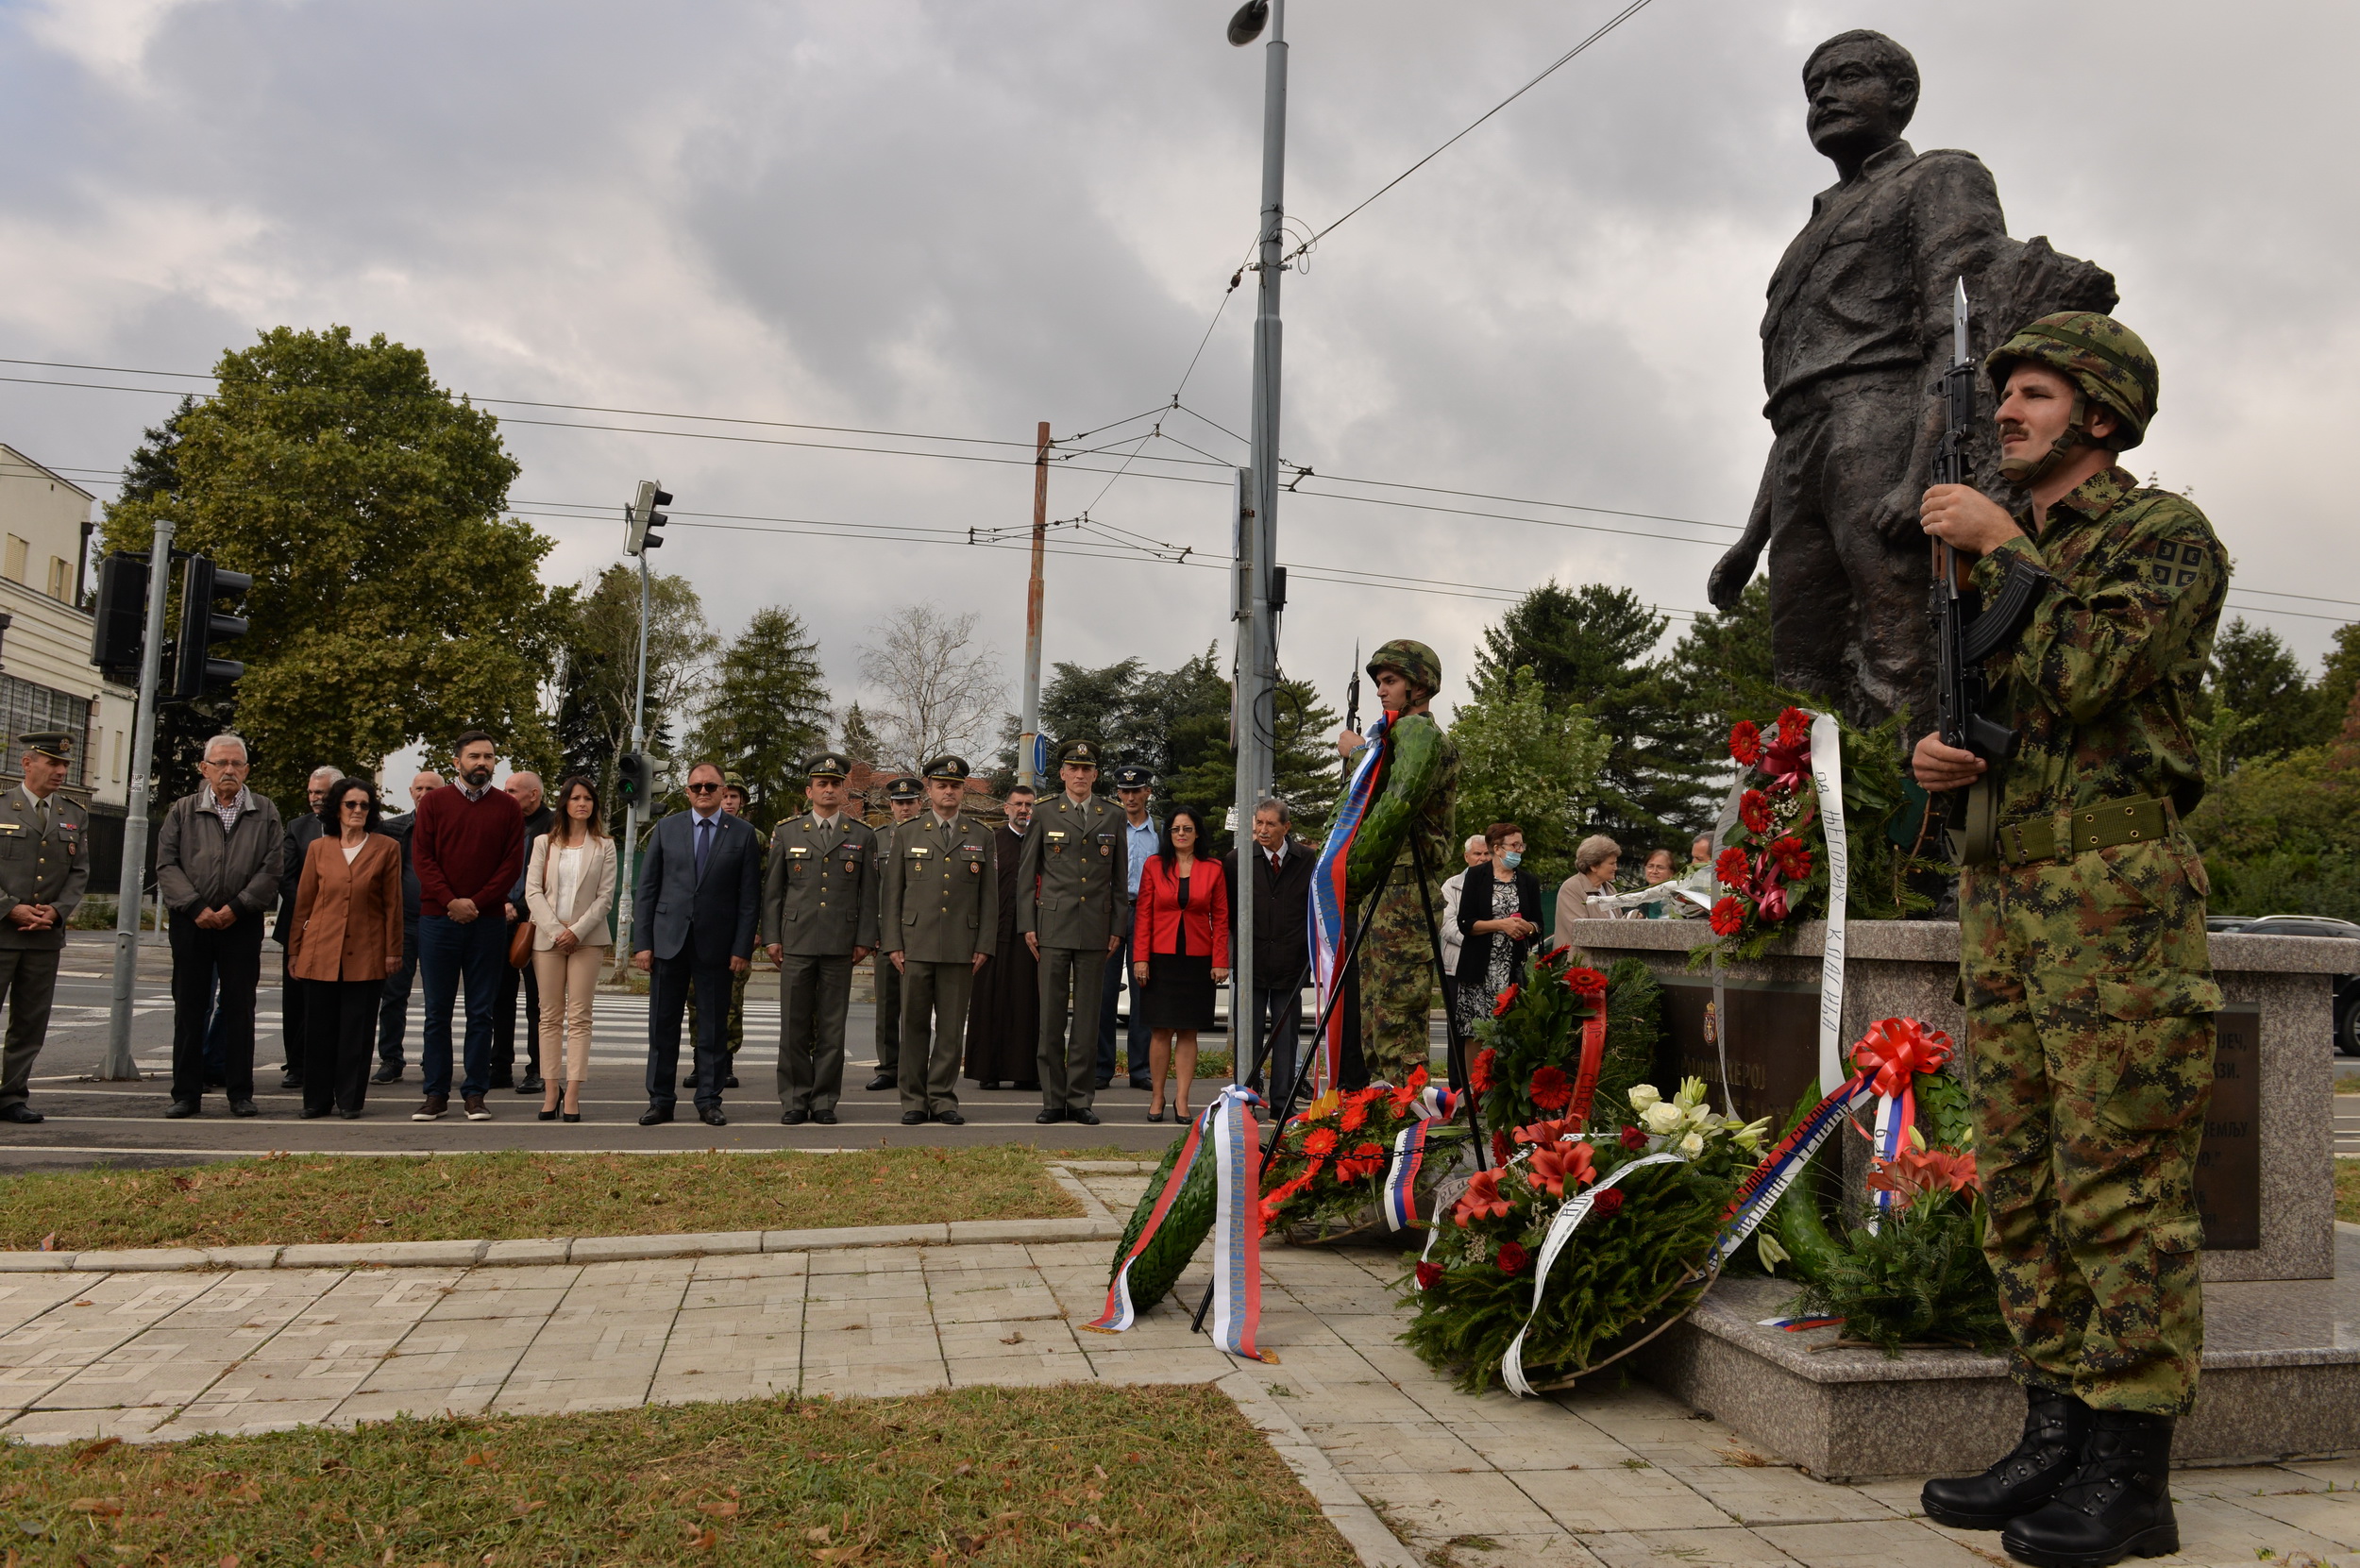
[1156, 1115]
[573, 1092]
[549, 1115]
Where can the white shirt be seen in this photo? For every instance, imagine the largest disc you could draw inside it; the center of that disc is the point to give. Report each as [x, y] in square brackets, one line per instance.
[352, 851]
[561, 873]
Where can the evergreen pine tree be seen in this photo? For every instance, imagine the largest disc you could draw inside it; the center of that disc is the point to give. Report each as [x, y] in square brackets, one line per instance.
[767, 712]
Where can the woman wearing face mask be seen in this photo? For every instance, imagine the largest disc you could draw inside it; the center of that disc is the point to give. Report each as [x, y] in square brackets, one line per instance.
[1499, 917]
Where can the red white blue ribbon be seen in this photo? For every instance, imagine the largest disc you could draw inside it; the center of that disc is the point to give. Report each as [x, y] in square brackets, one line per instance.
[1236, 1221]
[1400, 1201]
[1560, 1232]
[1328, 932]
[1119, 1315]
[1759, 1193]
[1893, 1053]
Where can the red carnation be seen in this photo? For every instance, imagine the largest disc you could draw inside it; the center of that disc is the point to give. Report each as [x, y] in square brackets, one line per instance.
[1745, 742]
[1728, 916]
[1794, 726]
[1792, 857]
[1730, 870]
[1514, 1258]
[1482, 1071]
[1604, 1203]
[1429, 1275]
[1507, 1000]
[1753, 809]
[1320, 1143]
[1587, 983]
[1551, 1089]
[1634, 1140]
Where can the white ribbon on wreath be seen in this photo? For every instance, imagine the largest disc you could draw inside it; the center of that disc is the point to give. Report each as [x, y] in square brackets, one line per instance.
[1560, 1231]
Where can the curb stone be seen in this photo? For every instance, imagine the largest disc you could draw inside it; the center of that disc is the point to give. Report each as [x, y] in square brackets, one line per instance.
[1342, 1505]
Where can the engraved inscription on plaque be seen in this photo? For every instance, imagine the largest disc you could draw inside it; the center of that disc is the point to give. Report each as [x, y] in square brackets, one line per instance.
[1772, 1034]
[2228, 1166]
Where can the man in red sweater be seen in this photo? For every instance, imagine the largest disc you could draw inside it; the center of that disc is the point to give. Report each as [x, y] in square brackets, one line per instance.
[467, 846]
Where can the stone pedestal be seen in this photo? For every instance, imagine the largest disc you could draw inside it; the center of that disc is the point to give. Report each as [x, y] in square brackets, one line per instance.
[2282, 1350]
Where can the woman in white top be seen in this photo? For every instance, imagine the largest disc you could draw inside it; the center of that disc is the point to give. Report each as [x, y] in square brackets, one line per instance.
[569, 885]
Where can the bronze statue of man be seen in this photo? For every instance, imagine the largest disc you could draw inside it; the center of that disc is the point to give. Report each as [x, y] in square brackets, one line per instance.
[1857, 333]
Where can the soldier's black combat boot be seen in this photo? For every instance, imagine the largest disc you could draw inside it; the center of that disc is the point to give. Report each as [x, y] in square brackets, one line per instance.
[2117, 1504]
[2055, 1427]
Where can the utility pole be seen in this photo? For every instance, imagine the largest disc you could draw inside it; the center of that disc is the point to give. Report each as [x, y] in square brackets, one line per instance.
[1028, 743]
[119, 1065]
[640, 521]
[1258, 522]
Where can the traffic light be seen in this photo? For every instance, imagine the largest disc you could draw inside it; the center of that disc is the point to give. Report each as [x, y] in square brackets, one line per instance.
[641, 518]
[201, 626]
[631, 779]
[121, 624]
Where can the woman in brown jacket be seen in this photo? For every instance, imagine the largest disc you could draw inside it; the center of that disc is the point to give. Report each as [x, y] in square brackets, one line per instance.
[347, 938]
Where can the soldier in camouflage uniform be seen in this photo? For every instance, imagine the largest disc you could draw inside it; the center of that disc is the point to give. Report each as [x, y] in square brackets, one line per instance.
[1416, 806]
[733, 800]
[2088, 987]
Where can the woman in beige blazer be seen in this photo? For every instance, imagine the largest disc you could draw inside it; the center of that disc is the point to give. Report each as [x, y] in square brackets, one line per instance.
[570, 886]
[346, 939]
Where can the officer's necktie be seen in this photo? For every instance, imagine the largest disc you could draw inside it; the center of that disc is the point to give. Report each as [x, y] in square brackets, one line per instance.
[704, 844]
[41, 817]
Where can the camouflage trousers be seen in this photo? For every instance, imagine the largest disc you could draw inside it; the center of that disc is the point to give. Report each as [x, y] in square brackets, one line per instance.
[1398, 982]
[2089, 999]
[737, 1010]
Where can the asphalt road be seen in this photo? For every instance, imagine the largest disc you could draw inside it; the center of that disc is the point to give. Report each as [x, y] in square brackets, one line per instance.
[122, 1123]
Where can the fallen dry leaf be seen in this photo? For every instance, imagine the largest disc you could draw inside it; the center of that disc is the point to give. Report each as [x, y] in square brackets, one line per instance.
[91, 1453]
[702, 1541]
[718, 1510]
[107, 1506]
[477, 1459]
[963, 1467]
[818, 1536]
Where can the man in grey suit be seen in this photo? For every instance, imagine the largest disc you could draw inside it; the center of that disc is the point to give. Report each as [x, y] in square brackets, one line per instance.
[939, 910]
[818, 920]
[44, 864]
[698, 898]
[1077, 856]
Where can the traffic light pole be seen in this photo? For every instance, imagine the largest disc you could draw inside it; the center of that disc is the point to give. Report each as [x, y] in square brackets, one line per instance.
[119, 1065]
[631, 820]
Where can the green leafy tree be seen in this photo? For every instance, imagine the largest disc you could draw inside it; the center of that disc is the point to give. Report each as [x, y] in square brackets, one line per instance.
[599, 652]
[1526, 759]
[1719, 670]
[2285, 837]
[392, 601]
[1591, 645]
[2338, 684]
[2254, 678]
[767, 711]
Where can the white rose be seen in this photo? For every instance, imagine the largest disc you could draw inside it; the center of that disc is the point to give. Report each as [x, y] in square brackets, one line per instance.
[1643, 1097]
[1661, 1119]
[1692, 1145]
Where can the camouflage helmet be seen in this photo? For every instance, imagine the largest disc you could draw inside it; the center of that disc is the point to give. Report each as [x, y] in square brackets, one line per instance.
[2099, 354]
[1416, 664]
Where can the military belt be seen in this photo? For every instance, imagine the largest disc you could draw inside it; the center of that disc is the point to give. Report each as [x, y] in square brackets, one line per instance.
[2100, 826]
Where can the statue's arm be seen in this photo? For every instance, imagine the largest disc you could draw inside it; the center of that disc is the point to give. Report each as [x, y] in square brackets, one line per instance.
[1735, 568]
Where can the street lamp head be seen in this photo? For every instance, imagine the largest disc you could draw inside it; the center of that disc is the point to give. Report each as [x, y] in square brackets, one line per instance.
[1248, 23]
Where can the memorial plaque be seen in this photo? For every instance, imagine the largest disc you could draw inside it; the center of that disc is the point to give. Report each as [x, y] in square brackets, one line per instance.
[2228, 1165]
[1771, 1032]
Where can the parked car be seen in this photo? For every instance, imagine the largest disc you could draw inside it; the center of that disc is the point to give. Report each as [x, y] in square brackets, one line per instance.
[2347, 986]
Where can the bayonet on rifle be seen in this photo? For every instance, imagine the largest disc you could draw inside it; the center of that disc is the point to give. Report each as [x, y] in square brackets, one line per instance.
[1352, 694]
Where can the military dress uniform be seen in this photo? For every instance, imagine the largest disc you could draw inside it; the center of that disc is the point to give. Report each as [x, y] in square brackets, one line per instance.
[1077, 857]
[818, 903]
[888, 979]
[938, 907]
[45, 858]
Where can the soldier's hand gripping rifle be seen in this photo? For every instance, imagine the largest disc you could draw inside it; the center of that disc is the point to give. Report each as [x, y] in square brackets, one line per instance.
[1965, 632]
[1352, 694]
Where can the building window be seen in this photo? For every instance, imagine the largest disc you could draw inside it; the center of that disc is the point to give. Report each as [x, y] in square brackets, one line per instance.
[13, 566]
[26, 706]
[60, 578]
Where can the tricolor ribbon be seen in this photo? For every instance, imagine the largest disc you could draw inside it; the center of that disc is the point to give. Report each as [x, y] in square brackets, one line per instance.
[1561, 1231]
[1894, 1052]
[1759, 1193]
[1328, 932]
[1400, 1204]
[1234, 1135]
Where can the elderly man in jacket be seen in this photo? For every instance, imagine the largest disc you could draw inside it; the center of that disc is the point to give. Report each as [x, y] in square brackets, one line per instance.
[218, 858]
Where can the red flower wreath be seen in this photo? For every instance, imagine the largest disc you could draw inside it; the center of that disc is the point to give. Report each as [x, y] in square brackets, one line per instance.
[1551, 1089]
[1728, 916]
[1745, 742]
[1507, 1000]
[1482, 1072]
[1585, 983]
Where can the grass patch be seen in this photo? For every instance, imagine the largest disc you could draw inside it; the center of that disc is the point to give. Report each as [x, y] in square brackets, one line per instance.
[1014, 1477]
[296, 1198]
[2347, 1189]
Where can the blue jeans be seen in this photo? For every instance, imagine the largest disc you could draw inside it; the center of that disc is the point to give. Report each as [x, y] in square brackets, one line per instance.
[1117, 976]
[447, 952]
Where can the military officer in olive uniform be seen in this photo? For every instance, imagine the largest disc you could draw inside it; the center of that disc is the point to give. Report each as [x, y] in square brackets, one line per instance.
[1074, 905]
[905, 798]
[44, 864]
[818, 920]
[939, 910]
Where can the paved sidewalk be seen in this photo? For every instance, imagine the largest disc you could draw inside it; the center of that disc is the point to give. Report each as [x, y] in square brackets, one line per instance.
[1620, 1477]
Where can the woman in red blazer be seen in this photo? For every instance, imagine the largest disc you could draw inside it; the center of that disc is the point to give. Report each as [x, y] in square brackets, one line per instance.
[1180, 942]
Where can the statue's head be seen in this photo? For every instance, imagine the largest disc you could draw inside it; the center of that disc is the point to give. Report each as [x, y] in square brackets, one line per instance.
[1863, 88]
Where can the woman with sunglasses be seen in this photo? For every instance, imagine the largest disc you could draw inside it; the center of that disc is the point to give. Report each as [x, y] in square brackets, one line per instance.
[346, 939]
[568, 886]
[1180, 937]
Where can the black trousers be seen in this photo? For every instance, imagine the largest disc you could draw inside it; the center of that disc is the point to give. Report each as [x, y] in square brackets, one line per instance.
[291, 1029]
[504, 1020]
[1278, 1013]
[339, 1029]
[201, 959]
[393, 1009]
[669, 980]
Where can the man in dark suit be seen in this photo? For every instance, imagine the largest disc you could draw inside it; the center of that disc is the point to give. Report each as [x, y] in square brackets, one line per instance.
[1282, 906]
[300, 833]
[524, 788]
[392, 1008]
[696, 902]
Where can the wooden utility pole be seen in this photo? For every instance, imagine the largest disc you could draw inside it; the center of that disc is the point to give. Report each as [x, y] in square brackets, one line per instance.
[1028, 743]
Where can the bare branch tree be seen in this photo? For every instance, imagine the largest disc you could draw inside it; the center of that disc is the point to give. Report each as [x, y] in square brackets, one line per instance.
[939, 689]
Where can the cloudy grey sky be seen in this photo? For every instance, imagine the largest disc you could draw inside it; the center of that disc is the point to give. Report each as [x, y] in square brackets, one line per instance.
[957, 218]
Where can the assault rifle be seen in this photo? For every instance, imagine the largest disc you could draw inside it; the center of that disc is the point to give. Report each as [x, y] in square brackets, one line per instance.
[1966, 632]
[1352, 694]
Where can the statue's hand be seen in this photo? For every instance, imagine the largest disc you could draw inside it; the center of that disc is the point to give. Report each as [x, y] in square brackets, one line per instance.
[1896, 516]
[1727, 584]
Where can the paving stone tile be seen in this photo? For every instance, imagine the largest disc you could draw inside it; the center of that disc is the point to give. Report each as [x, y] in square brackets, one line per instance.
[1433, 1508]
[2341, 1473]
[1037, 1372]
[386, 1403]
[1375, 1448]
[474, 1369]
[721, 1353]
[236, 1416]
[59, 1342]
[129, 1423]
[275, 1382]
[1069, 1254]
[578, 1327]
[126, 1300]
[883, 1381]
[870, 1260]
[650, 1275]
[492, 1280]
[993, 1341]
[1614, 1497]
[1777, 1494]
[390, 1293]
[570, 1396]
[1561, 1446]
[2334, 1517]
[752, 1266]
[24, 1297]
[1874, 1543]
[527, 1250]
[2214, 1529]
[1733, 1547]
[975, 1257]
[1120, 1365]
[822, 1320]
[140, 1373]
[1491, 1549]
[447, 1336]
[956, 1302]
[727, 1385]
